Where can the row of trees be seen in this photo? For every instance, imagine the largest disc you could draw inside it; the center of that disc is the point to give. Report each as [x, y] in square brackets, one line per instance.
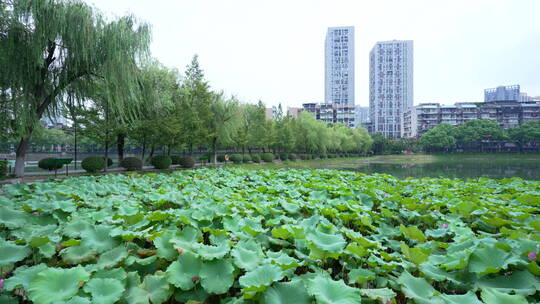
[63, 58]
[445, 137]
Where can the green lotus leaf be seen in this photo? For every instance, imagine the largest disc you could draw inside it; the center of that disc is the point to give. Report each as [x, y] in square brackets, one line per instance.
[261, 277]
[383, 294]
[356, 249]
[78, 254]
[187, 239]
[98, 239]
[468, 298]
[77, 300]
[12, 253]
[104, 291]
[217, 276]
[76, 227]
[12, 218]
[209, 252]
[417, 255]
[54, 285]
[328, 291]
[493, 296]
[490, 260]
[361, 276]
[413, 233]
[284, 293]
[247, 255]
[115, 273]
[155, 289]
[165, 248]
[333, 243]
[283, 260]
[22, 276]
[6, 299]
[417, 288]
[184, 272]
[196, 295]
[112, 257]
[521, 282]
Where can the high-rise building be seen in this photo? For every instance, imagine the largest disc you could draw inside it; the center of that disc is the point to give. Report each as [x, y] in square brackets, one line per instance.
[361, 115]
[390, 85]
[503, 93]
[339, 66]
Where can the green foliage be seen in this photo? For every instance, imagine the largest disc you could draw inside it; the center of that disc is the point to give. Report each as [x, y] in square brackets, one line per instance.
[131, 164]
[267, 157]
[93, 164]
[109, 161]
[236, 158]
[246, 158]
[256, 158]
[49, 163]
[221, 158]
[283, 156]
[187, 162]
[293, 156]
[3, 168]
[527, 132]
[175, 159]
[161, 161]
[479, 129]
[214, 234]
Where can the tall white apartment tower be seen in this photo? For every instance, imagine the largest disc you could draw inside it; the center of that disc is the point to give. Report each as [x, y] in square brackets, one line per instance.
[390, 85]
[339, 66]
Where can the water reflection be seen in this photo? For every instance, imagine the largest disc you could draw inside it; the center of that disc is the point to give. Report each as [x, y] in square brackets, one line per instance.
[454, 169]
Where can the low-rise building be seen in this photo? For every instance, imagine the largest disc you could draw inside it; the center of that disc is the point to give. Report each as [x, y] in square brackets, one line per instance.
[508, 114]
[332, 113]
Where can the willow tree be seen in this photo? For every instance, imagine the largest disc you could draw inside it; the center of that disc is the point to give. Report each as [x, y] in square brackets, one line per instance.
[49, 48]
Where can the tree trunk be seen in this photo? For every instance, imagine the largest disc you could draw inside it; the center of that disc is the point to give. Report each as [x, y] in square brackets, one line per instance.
[20, 156]
[121, 137]
[143, 149]
[106, 155]
[152, 150]
[169, 149]
[214, 155]
[75, 152]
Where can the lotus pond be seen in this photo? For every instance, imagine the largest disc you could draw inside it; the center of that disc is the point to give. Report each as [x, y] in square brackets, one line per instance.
[270, 236]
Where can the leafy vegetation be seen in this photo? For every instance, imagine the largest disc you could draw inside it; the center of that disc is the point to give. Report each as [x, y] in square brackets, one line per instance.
[272, 236]
[161, 161]
[93, 164]
[49, 163]
[131, 164]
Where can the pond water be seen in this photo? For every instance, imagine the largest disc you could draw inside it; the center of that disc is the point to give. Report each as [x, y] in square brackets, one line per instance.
[454, 166]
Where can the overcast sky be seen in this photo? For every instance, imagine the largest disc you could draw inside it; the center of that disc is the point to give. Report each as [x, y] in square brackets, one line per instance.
[274, 50]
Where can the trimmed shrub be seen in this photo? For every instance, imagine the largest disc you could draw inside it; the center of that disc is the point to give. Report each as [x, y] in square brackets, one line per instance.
[323, 156]
[175, 159]
[93, 164]
[3, 168]
[236, 158]
[221, 158]
[246, 158]
[303, 156]
[267, 157]
[293, 156]
[161, 161]
[131, 164]
[49, 164]
[109, 161]
[187, 162]
[283, 156]
[256, 158]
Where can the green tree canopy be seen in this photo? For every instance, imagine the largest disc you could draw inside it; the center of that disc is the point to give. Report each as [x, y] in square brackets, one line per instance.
[440, 137]
[50, 48]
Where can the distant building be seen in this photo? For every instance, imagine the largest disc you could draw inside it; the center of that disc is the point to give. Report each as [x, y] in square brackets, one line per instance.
[339, 66]
[270, 113]
[503, 93]
[508, 114]
[390, 85]
[293, 111]
[361, 115]
[331, 113]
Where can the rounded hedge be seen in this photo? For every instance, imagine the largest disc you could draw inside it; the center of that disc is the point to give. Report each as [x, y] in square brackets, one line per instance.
[49, 164]
[109, 161]
[267, 157]
[293, 156]
[161, 161]
[236, 158]
[256, 158]
[131, 164]
[93, 164]
[187, 162]
[246, 158]
[283, 156]
[175, 159]
[221, 158]
[323, 156]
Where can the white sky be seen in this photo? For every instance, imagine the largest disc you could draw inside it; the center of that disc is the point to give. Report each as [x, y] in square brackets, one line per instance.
[274, 50]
